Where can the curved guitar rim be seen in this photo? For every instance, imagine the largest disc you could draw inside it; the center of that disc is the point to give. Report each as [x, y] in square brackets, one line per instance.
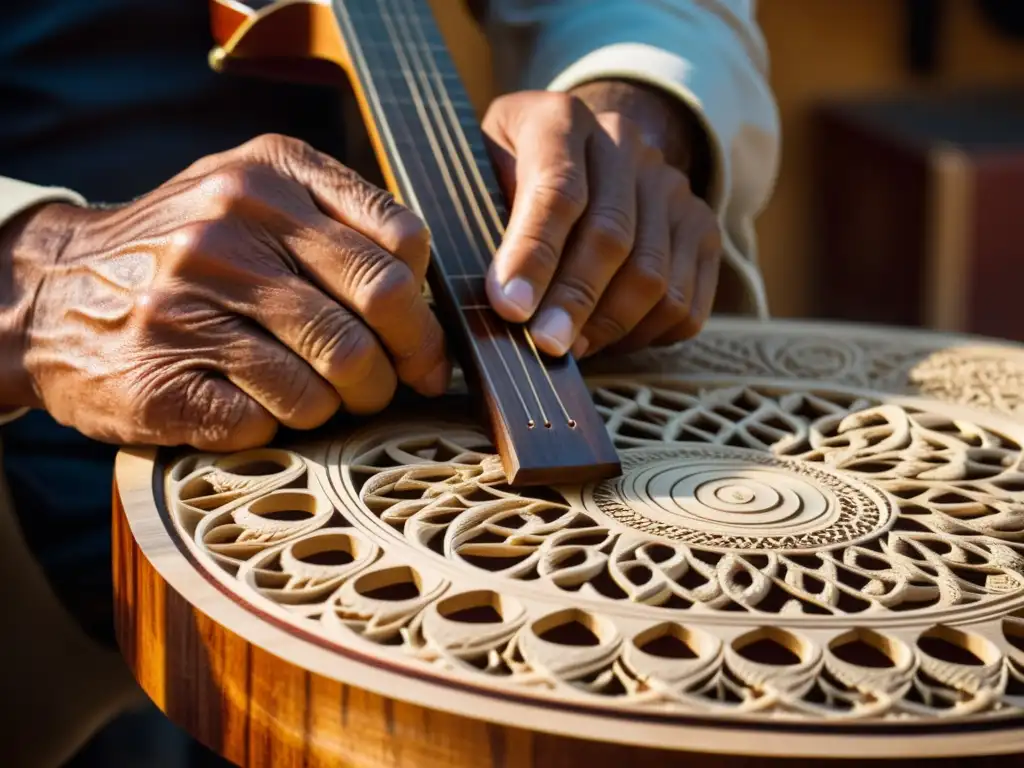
[233, 678]
[172, 618]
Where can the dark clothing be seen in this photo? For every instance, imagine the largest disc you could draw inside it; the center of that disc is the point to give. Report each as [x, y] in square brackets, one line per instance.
[111, 98]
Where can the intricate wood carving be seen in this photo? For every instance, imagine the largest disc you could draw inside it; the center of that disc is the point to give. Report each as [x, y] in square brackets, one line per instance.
[798, 550]
[813, 527]
[954, 369]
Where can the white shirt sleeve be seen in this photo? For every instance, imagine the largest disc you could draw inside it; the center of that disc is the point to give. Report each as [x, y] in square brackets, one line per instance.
[17, 196]
[709, 53]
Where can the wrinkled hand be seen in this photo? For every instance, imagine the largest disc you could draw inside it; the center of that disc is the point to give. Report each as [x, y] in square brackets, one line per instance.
[264, 285]
[607, 246]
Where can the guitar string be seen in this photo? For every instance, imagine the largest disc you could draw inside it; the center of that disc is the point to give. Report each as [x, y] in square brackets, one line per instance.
[399, 169]
[480, 185]
[420, 99]
[444, 99]
[491, 245]
[448, 103]
[425, 123]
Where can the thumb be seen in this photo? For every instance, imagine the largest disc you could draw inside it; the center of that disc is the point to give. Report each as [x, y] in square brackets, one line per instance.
[348, 198]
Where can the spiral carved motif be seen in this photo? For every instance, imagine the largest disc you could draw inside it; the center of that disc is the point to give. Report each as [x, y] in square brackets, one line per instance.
[771, 549]
[739, 500]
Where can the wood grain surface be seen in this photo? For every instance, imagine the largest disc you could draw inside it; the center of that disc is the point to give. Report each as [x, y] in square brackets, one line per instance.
[256, 709]
[253, 688]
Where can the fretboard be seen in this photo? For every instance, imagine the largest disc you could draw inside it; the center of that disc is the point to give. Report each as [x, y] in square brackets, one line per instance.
[433, 150]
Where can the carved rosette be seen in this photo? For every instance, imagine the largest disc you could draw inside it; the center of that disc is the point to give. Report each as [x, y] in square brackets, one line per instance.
[777, 545]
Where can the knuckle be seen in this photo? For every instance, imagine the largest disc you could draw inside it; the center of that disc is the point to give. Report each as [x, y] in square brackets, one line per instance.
[319, 332]
[226, 187]
[643, 278]
[146, 397]
[202, 409]
[151, 311]
[276, 145]
[676, 304]
[605, 328]
[564, 113]
[387, 292]
[346, 354]
[564, 105]
[691, 328]
[415, 235]
[407, 231]
[188, 250]
[542, 253]
[286, 380]
[274, 152]
[613, 231]
[217, 416]
[189, 240]
[375, 201]
[577, 295]
[564, 190]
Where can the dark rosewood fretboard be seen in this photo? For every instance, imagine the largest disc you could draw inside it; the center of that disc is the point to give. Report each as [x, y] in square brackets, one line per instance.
[544, 422]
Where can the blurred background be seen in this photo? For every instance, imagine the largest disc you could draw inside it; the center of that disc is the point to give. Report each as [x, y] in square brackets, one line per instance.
[901, 192]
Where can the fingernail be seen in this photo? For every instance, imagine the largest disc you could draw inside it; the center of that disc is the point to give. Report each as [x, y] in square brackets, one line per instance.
[555, 327]
[520, 293]
[579, 349]
[436, 382]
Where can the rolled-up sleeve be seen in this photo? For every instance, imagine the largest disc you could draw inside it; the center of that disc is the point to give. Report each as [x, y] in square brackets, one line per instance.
[708, 53]
[18, 196]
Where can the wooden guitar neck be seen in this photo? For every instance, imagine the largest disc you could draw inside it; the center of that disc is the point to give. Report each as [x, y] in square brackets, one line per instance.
[432, 152]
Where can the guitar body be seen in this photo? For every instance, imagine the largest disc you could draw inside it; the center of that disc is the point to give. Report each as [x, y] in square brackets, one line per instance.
[813, 552]
[778, 540]
[260, 697]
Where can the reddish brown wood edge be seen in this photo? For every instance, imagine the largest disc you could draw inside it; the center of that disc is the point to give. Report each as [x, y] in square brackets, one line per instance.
[258, 710]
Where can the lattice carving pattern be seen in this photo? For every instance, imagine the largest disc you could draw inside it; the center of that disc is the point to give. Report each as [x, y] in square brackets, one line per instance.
[772, 549]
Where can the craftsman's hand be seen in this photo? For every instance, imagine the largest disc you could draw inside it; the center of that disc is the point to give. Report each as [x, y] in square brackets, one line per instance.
[607, 245]
[264, 285]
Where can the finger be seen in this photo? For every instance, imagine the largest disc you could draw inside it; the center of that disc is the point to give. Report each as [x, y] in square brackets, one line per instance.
[275, 377]
[550, 196]
[259, 284]
[674, 307]
[210, 413]
[349, 199]
[708, 273]
[337, 344]
[601, 241]
[708, 270]
[641, 283]
[378, 288]
[373, 392]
